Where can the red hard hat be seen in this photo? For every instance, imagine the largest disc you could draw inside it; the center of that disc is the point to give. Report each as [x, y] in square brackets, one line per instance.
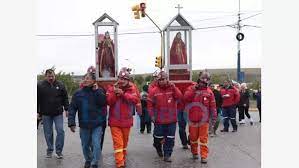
[204, 76]
[162, 75]
[124, 73]
[91, 69]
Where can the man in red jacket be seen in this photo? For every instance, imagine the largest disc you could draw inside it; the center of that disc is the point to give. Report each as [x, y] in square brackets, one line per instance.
[231, 97]
[200, 105]
[122, 98]
[162, 107]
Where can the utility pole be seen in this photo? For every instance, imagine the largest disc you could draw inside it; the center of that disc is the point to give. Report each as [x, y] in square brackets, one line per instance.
[240, 36]
[239, 48]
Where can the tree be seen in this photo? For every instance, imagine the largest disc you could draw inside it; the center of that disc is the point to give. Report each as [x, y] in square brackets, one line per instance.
[148, 78]
[139, 81]
[194, 76]
[255, 85]
[216, 79]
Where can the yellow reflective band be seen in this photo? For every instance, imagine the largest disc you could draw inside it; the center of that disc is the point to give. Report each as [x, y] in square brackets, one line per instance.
[194, 142]
[118, 150]
[203, 144]
[125, 149]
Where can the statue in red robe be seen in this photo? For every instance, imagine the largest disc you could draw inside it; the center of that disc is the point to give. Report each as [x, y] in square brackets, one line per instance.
[178, 54]
[106, 58]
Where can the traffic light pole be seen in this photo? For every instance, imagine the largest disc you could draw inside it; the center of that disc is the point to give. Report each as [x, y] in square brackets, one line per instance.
[162, 50]
[153, 22]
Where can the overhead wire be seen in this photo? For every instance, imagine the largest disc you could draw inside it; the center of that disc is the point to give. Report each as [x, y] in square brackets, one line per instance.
[152, 32]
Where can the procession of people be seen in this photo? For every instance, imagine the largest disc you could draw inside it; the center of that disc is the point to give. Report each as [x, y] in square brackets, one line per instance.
[197, 105]
[204, 105]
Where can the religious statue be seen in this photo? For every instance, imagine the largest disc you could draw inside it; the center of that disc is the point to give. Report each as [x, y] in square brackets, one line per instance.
[178, 54]
[106, 57]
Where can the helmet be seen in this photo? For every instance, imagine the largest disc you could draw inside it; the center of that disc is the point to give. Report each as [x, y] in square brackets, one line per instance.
[204, 77]
[124, 73]
[162, 75]
[91, 69]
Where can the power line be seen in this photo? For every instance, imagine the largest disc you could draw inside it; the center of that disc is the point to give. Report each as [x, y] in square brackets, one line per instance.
[132, 33]
[127, 33]
[63, 35]
[253, 11]
[250, 16]
[253, 26]
[88, 35]
[211, 27]
[152, 32]
[215, 18]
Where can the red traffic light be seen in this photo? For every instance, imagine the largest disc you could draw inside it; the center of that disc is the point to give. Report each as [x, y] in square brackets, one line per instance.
[142, 5]
[142, 9]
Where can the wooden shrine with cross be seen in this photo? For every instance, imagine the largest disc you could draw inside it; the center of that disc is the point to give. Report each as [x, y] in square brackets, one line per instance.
[177, 39]
[106, 48]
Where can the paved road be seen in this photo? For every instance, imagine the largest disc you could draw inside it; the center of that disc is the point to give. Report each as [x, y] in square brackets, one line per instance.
[227, 150]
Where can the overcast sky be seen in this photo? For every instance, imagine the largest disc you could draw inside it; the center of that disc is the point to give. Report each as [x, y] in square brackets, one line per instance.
[212, 48]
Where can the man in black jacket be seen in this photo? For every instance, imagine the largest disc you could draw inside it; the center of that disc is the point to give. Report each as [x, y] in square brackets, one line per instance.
[52, 100]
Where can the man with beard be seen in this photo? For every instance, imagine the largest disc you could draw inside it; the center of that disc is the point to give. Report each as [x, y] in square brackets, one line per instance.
[52, 99]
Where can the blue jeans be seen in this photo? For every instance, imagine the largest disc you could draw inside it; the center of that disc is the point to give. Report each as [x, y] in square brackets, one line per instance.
[182, 122]
[167, 132]
[229, 114]
[48, 132]
[91, 143]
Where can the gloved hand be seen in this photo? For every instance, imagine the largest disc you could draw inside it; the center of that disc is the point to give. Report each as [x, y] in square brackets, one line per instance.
[195, 87]
[118, 92]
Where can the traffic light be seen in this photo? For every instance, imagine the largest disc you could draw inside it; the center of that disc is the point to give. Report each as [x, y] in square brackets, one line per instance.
[158, 62]
[142, 9]
[136, 10]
